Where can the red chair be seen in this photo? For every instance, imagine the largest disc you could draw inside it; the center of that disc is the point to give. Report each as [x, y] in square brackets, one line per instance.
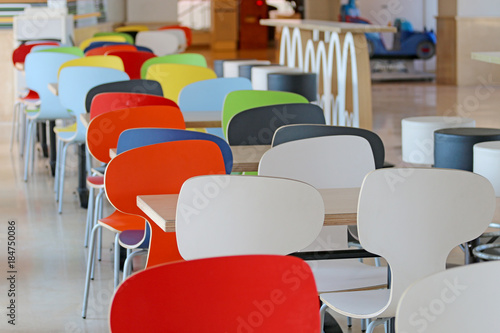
[156, 169]
[258, 293]
[187, 32]
[132, 61]
[103, 49]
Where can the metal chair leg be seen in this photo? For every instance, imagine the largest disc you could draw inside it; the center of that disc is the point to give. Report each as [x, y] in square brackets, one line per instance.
[127, 267]
[90, 263]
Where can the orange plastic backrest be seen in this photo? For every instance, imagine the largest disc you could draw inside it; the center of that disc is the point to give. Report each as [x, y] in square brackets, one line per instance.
[187, 32]
[110, 101]
[103, 49]
[104, 130]
[159, 169]
[132, 61]
[255, 293]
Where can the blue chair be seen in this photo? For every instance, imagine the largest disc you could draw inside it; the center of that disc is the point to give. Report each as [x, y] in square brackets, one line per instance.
[139, 137]
[209, 95]
[94, 45]
[41, 69]
[74, 84]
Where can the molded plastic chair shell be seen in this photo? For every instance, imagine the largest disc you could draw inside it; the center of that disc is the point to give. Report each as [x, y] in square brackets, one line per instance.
[174, 77]
[187, 32]
[104, 49]
[138, 86]
[95, 61]
[235, 215]
[436, 207]
[83, 45]
[132, 60]
[64, 49]
[238, 101]
[160, 42]
[298, 132]
[232, 295]
[128, 38]
[256, 126]
[194, 59]
[95, 45]
[460, 299]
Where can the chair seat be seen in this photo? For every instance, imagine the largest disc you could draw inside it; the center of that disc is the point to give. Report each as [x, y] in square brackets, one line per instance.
[95, 181]
[66, 136]
[31, 96]
[133, 239]
[358, 304]
[69, 128]
[349, 274]
[118, 222]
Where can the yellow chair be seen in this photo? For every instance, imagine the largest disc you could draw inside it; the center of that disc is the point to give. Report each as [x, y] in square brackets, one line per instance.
[174, 77]
[86, 42]
[128, 28]
[95, 61]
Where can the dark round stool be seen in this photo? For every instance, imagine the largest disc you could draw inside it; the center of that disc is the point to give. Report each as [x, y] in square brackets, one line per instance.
[453, 147]
[246, 70]
[305, 84]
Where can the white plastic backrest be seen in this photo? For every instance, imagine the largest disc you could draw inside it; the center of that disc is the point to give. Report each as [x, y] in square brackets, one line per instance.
[160, 42]
[463, 299]
[259, 75]
[180, 35]
[232, 68]
[235, 215]
[337, 161]
[415, 217]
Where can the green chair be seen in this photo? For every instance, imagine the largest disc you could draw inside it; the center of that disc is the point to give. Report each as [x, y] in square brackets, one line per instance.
[128, 38]
[181, 58]
[65, 49]
[241, 100]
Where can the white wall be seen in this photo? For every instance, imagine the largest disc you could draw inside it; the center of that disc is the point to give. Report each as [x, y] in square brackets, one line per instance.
[145, 11]
[478, 8]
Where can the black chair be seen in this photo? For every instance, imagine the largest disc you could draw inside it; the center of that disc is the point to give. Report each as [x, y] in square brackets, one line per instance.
[257, 126]
[139, 86]
[304, 131]
[305, 84]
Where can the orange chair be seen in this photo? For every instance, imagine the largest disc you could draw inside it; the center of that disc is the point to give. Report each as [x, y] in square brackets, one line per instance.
[132, 61]
[103, 49]
[156, 169]
[257, 293]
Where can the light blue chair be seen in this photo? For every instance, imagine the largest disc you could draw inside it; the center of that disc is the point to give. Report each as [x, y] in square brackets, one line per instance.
[209, 95]
[140, 137]
[41, 69]
[74, 84]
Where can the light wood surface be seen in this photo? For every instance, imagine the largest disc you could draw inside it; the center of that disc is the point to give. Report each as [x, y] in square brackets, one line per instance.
[340, 207]
[54, 88]
[339, 27]
[489, 57]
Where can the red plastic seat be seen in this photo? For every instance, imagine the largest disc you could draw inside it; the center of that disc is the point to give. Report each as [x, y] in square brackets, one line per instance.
[103, 49]
[259, 293]
[132, 61]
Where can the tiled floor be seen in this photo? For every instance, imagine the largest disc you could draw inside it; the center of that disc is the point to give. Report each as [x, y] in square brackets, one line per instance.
[51, 259]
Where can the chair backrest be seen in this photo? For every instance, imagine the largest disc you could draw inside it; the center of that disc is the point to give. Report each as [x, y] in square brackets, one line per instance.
[160, 42]
[180, 35]
[297, 132]
[324, 162]
[467, 292]
[65, 49]
[41, 69]
[128, 38]
[95, 45]
[110, 101]
[75, 83]
[235, 215]
[138, 86]
[194, 59]
[159, 169]
[257, 126]
[237, 294]
[174, 77]
[139, 137]
[95, 61]
[83, 45]
[107, 48]
[431, 211]
[241, 100]
[187, 32]
[209, 95]
[20, 53]
[104, 130]
[133, 61]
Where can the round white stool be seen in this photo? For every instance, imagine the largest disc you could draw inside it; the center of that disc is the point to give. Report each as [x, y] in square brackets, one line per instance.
[232, 68]
[259, 75]
[418, 136]
[486, 162]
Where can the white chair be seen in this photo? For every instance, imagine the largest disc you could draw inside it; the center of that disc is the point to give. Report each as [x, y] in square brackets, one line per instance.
[223, 215]
[340, 161]
[428, 212]
[418, 136]
[462, 299]
[259, 74]
[232, 68]
[160, 42]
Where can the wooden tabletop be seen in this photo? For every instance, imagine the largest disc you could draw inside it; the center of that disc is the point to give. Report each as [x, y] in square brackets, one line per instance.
[489, 57]
[339, 27]
[54, 88]
[340, 207]
[193, 119]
